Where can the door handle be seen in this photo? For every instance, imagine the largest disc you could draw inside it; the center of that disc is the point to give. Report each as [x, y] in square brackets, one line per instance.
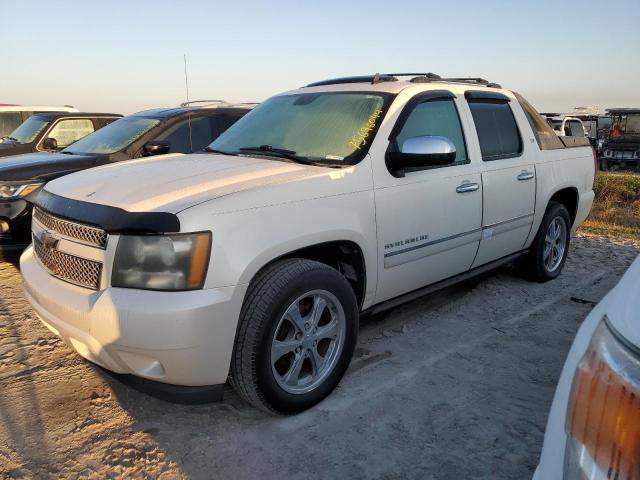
[525, 176]
[467, 187]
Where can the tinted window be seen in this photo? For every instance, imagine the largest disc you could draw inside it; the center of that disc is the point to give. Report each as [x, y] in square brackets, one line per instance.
[187, 137]
[576, 129]
[222, 122]
[545, 136]
[9, 121]
[69, 131]
[497, 130]
[114, 137]
[435, 117]
[177, 136]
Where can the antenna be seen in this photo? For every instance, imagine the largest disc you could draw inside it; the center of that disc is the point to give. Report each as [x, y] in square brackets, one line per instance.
[186, 84]
[186, 77]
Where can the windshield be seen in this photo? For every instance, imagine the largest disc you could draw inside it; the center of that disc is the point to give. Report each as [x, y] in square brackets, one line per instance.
[29, 130]
[9, 121]
[632, 125]
[328, 127]
[114, 137]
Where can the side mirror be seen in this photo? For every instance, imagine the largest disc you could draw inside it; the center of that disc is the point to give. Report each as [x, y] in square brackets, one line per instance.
[50, 143]
[423, 151]
[156, 148]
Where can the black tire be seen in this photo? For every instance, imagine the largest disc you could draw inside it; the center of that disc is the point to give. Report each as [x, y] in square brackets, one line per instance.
[267, 298]
[604, 165]
[533, 265]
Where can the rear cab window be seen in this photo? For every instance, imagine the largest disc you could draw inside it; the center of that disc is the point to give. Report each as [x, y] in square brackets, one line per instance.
[497, 130]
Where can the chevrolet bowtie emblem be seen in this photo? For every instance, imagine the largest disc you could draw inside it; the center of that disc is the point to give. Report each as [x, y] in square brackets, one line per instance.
[49, 240]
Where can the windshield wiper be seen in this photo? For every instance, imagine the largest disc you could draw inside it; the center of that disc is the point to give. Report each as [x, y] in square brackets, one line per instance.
[213, 150]
[276, 152]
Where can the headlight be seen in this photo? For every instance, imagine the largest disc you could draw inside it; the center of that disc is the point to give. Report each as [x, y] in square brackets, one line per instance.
[162, 262]
[603, 418]
[17, 189]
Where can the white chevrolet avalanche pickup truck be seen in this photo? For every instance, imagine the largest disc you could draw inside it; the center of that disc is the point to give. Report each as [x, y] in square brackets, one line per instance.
[254, 259]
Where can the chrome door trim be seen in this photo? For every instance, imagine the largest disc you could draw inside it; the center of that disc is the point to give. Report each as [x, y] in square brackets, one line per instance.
[504, 222]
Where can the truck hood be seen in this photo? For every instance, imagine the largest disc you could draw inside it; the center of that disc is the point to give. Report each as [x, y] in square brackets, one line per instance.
[31, 166]
[172, 183]
[623, 305]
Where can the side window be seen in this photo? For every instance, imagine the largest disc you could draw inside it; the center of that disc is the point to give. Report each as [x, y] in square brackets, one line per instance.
[438, 118]
[177, 137]
[545, 136]
[498, 132]
[576, 129]
[186, 138]
[71, 130]
[201, 133]
[567, 128]
[9, 121]
[222, 123]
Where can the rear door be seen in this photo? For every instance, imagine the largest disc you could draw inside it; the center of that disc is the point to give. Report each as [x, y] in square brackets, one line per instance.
[508, 177]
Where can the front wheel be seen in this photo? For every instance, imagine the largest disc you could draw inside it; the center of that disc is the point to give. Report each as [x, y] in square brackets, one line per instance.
[296, 336]
[548, 251]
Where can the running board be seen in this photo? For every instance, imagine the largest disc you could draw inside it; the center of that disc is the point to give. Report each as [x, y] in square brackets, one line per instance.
[421, 292]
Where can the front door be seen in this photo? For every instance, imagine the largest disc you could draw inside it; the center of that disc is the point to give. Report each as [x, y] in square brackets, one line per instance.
[429, 221]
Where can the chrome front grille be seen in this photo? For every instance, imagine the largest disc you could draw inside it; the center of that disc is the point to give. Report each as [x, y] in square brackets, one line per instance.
[83, 233]
[76, 270]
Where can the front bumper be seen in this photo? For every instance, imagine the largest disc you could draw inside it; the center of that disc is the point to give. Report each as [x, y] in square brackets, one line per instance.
[179, 338]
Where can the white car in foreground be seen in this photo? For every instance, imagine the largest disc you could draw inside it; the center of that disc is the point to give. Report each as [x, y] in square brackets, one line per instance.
[255, 258]
[593, 431]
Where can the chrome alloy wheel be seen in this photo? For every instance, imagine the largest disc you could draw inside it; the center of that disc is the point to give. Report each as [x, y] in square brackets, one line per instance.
[308, 341]
[555, 243]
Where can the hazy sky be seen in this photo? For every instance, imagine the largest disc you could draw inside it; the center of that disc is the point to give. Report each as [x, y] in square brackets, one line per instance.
[124, 56]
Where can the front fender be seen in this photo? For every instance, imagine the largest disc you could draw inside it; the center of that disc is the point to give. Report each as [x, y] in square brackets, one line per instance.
[243, 242]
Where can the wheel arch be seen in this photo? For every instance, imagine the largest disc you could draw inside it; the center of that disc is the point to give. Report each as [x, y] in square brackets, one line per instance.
[344, 255]
[568, 197]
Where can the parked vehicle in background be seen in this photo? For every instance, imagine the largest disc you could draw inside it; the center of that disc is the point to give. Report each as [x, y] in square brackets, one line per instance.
[597, 128]
[253, 260]
[622, 147]
[143, 134]
[593, 430]
[53, 131]
[566, 126]
[11, 116]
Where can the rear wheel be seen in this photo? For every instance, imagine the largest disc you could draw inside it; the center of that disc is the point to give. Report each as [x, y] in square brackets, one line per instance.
[548, 252]
[297, 332]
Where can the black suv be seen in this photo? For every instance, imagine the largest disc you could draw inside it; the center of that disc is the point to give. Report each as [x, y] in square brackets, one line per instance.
[52, 131]
[623, 145]
[152, 132]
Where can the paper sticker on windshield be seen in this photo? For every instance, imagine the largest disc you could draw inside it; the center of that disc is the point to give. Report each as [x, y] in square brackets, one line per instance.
[333, 157]
[360, 138]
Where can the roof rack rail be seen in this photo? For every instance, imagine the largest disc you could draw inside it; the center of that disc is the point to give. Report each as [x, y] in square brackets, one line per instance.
[475, 80]
[186, 104]
[393, 77]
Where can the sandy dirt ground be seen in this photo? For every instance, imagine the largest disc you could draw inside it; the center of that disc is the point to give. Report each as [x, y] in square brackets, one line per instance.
[455, 385]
